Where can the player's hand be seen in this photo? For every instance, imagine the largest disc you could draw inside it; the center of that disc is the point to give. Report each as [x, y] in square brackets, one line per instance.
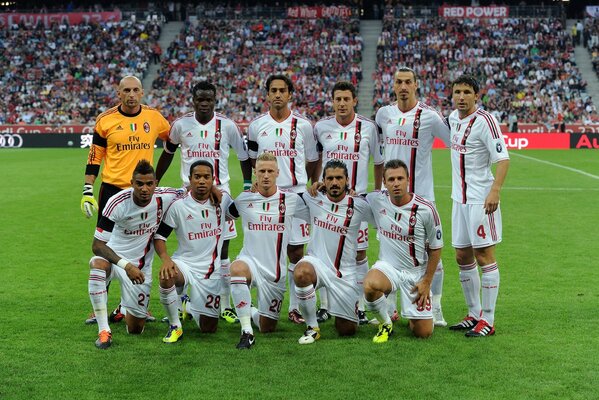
[216, 196]
[168, 270]
[423, 291]
[89, 205]
[313, 190]
[254, 187]
[135, 274]
[492, 201]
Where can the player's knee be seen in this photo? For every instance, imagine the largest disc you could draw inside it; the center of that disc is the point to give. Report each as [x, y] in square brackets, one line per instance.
[303, 274]
[239, 268]
[208, 325]
[423, 329]
[345, 327]
[99, 263]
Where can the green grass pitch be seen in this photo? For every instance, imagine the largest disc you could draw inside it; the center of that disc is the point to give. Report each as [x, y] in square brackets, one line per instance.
[547, 314]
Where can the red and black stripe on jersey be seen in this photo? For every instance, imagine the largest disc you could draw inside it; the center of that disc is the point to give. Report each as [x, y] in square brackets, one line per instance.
[348, 216]
[414, 150]
[279, 248]
[217, 138]
[292, 137]
[411, 228]
[463, 159]
[357, 140]
[215, 252]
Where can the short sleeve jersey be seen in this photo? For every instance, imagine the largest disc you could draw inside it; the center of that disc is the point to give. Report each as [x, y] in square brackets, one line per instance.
[404, 231]
[354, 144]
[334, 230]
[291, 141]
[476, 143]
[409, 136]
[211, 142]
[134, 226]
[199, 226]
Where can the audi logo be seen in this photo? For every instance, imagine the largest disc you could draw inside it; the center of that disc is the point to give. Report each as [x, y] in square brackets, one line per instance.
[9, 140]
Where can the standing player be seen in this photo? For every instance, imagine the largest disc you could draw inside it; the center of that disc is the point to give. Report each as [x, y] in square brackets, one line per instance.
[476, 143]
[410, 237]
[409, 128]
[199, 226]
[267, 216]
[353, 139]
[123, 135]
[289, 136]
[123, 250]
[206, 135]
[336, 220]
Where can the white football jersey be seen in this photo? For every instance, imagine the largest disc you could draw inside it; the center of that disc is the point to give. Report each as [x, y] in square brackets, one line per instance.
[199, 226]
[210, 142]
[404, 231]
[266, 225]
[128, 229]
[334, 230]
[476, 143]
[354, 144]
[409, 136]
[291, 141]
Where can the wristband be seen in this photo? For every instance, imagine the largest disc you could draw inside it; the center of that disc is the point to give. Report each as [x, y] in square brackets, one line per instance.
[247, 184]
[122, 263]
[88, 189]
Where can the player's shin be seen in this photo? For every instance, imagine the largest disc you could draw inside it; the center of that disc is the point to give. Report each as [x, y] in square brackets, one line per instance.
[225, 279]
[170, 300]
[293, 305]
[470, 281]
[380, 307]
[98, 297]
[242, 299]
[437, 285]
[490, 290]
[306, 297]
[361, 271]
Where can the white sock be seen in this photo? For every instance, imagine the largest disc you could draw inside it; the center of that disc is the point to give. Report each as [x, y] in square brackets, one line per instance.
[361, 271]
[98, 295]
[306, 297]
[470, 281]
[381, 309]
[392, 302]
[255, 317]
[324, 298]
[437, 285]
[225, 284]
[242, 299]
[490, 290]
[293, 305]
[170, 300]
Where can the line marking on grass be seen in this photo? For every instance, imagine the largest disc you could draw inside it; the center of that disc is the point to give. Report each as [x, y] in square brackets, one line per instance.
[557, 165]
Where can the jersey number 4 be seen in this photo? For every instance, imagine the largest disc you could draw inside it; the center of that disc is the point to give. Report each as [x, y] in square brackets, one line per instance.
[481, 232]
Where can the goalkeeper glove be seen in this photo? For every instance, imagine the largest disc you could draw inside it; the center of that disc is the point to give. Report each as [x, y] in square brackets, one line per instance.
[88, 202]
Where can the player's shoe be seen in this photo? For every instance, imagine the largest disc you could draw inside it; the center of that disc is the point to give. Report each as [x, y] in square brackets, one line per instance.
[438, 319]
[466, 324]
[382, 336]
[183, 314]
[91, 319]
[295, 317]
[230, 316]
[322, 315]
[395, 317]
[116, 315]
[310, 336]
[362, 318]
[174, 333]
[104, 340]
[481, 329]
[246, 341]
[150, 317]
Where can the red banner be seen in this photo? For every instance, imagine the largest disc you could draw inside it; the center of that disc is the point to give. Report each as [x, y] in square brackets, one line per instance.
[46, 129]
[74, 18]
[474, 12]
[318, 12]
[519, 141]
[539, 128]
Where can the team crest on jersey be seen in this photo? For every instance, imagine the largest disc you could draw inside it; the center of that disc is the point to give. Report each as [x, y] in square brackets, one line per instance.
[218, 212]
[439, 234]
[279, 132]
[217, 136]
[205, 214]
[357, 137]
[498, 147]
[146, 127]
[266, 206]
[401, 121]
[203, 134]
[416, 124]
[293, 134]
[343, 135]
[133, 127]
[413, 221]
[350, 212]
[282, 208]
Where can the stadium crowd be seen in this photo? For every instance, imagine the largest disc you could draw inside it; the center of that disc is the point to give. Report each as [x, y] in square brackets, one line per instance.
[66, 74]
[238, 55]
[526, 65]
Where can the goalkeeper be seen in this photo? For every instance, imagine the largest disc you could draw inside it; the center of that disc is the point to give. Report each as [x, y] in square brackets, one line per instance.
[123, 135]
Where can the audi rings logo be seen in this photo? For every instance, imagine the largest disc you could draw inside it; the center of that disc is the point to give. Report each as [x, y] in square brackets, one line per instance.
[9, 140]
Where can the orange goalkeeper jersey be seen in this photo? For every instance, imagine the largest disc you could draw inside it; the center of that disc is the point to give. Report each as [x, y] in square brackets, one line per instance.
[121, 140]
